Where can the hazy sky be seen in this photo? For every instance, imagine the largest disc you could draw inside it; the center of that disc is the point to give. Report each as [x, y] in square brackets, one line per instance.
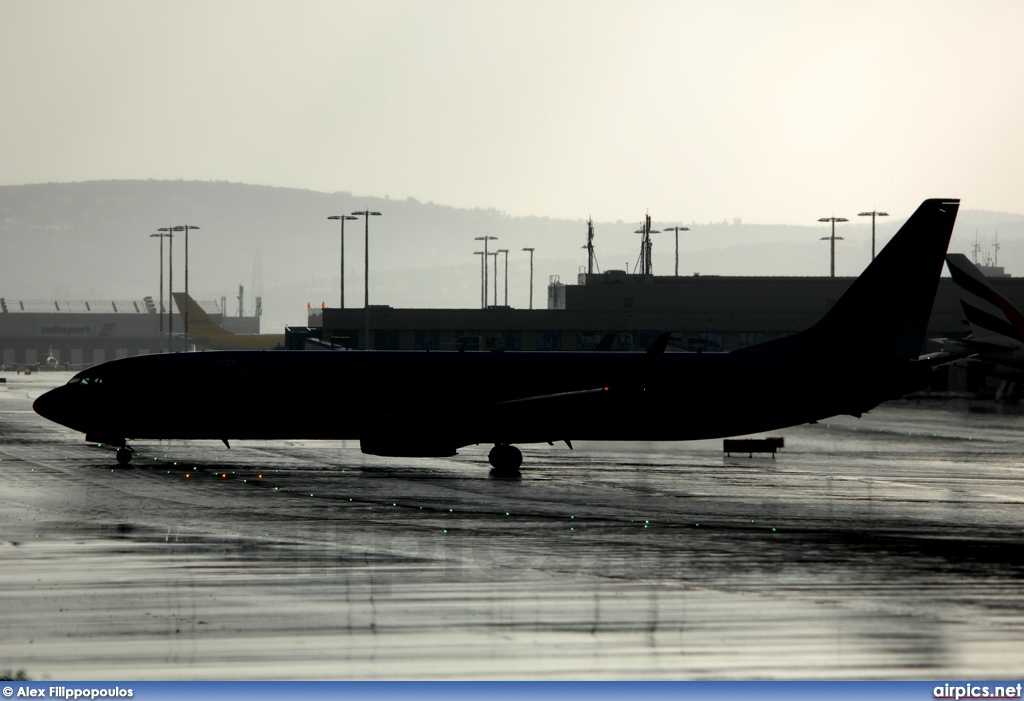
[780, 111]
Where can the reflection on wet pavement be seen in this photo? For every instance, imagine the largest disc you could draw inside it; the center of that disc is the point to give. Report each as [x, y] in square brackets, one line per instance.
[881, 547]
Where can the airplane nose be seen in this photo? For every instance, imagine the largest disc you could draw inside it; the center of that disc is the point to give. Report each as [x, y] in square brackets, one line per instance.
[52, 406]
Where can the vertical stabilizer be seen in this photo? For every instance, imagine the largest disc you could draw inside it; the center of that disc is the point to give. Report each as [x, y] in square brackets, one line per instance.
[886, 310]
[199, 322]
[988, 312]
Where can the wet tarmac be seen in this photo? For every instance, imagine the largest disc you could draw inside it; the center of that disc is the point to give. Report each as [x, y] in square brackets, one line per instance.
[890, 546]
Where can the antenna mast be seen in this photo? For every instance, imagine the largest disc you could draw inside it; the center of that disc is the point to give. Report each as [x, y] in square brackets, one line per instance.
[646, 245]
[590, 246]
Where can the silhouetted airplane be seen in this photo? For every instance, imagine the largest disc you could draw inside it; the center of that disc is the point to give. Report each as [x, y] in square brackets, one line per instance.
[996, 340]
[864, 351]
[997, 327]
[204, 331]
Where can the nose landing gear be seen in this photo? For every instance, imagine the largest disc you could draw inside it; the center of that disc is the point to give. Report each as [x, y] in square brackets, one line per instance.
[505, 459]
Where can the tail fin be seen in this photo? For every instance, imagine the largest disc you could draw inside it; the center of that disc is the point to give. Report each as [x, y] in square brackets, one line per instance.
[988, 312]
[199, 322]
[885, 311]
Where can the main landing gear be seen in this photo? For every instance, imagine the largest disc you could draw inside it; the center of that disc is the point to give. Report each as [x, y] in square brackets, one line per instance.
[124, 455]
[505, 459]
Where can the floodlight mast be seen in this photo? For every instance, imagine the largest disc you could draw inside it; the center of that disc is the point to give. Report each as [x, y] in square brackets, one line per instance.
[833, 238]
[505, 251]
[495, 256]
[676, 229]
[170, 284]
[186, 228]
[342, 218]
[366, 270]
[161, 237]
[531, 250]
[483, 266]
[485, 239]
[873, 214]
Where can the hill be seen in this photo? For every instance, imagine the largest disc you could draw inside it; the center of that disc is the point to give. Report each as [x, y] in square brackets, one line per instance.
[92, 240]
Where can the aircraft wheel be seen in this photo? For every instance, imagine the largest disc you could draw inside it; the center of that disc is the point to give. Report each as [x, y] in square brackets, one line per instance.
[505, 459]
[124, 455]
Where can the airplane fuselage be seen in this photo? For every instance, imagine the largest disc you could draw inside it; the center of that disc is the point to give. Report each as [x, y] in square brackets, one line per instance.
[431, 403]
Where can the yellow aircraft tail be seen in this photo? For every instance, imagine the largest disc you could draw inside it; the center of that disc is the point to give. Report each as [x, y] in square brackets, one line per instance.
[204, 331]
[199, 322]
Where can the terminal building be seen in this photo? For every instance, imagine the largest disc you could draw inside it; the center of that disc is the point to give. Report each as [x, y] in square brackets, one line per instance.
[81, 333]
[702, 312]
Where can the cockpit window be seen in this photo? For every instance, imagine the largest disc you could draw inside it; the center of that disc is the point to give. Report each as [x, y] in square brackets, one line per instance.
[74, 380]
[78, 380]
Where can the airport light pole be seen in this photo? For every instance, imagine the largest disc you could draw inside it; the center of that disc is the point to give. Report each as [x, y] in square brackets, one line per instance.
[676, 229]
[485, 239]
[483, 267]
[161, 237]
[342, 218]
[185, 228]
[495, 256]
[873, 214]
[505, 251]
[833, 238]
[531, 275]
[366, 270]
[170, 284]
